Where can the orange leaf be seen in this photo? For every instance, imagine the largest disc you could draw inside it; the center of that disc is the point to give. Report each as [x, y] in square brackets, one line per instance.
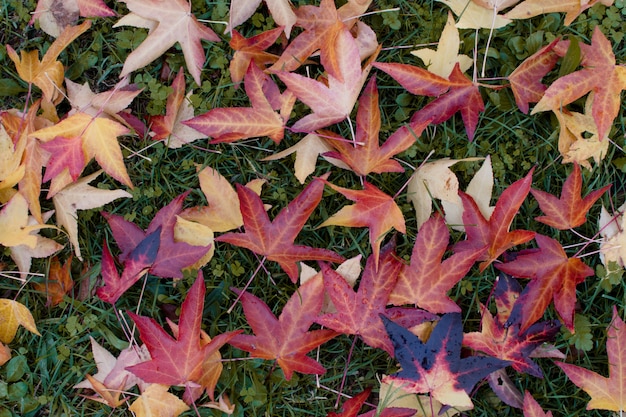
[156, 401]
[251, 50]
[532, 407]
[573, 8]
[46, 74]
[373, 209]
[58, 283]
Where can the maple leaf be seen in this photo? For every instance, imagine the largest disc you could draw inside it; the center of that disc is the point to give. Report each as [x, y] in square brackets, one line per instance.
[15, 314]
[613, 243]
[15, 229]
[435, 367]
[157, 401]
[281, 11]
[171, 21]
[223, 213]
[234, 123]
[570, 210]
[501, 339]
[473, 16]
[322, 26]
[23, 255]
[442, 60]
[422, 405]
[526, 78]
[606, 393]
[359, 312]
[136, 264]
[366, 155]
[573, 8]
[185, 359]
[532, 407]
[12, 170]
[426, 280]
[54, 15]
[46, 74]
[332, 102]
[274, 239]
[373, 209]
[352, 406]
[58, 282]
[553, 276]
[112, 377]
[307, 150]
[172, 256]
[574, 144]
[434, 180]
[251, 50]
[286, 339]
[599, 74]
[493, 235]
[169, 127]
[457, 93]
[81, 196]
[99, 140]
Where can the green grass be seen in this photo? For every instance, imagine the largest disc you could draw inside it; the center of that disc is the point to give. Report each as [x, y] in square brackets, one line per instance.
[38, 380]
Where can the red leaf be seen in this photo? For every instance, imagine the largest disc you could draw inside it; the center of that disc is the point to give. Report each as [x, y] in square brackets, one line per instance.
[136, 264]
[183, 360]
[493, 235]
[457, 93]
[352, 406]
[251, 50]
[570, 210]
[502, 340]
[435, 367]
[373, 209]
[367, 155]
[426, 280]
[554, 276]
[64, 153]
[532, 407]
[599, 74]
[606, 393]
[526, 78]
[359, 312]
[172, 256]
[275, 239]
[333, 102]
[229, 124]
[286, 339]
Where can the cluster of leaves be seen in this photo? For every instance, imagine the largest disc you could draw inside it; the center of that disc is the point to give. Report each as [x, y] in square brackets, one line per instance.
[400, 307]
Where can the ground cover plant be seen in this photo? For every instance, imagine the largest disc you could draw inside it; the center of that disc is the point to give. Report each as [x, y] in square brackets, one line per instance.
[251, 208]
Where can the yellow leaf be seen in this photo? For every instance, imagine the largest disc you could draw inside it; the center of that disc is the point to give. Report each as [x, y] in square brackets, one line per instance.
[195, 234]
[12, 315]
[46, 74]
[156, 401]
[14, 228]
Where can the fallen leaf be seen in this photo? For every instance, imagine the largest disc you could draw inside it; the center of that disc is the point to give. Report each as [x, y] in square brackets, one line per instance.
[435, 367]
[169, 127]
[442, 60]
[359, 312]
[553, 276]
[569, 210]
[172, 22]
[426, 280]
[81, 196]
[532, 407]
[275, 239]
[223, 212]
[105, 104]
[613, 243]
[242, 10]
[156, 401]
[15, 229]
[229, 124]
[599, 74]
[14, 314]
[352, 406]
[606, 393]
[48, 73]
[573, 8]
[372, 209]
[5, 354]
[365, 155]
[473, 16]
[222, 404]
[493, 235]
[251, 50]
[287, 339]
[55, 15]
[422, 405]
[332, 102]
[58, 283]
[183, 360]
